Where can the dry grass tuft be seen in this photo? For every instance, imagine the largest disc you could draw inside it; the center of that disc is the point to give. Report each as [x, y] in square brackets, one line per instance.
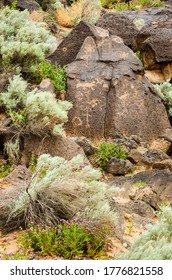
[69, 17]
[37, 16]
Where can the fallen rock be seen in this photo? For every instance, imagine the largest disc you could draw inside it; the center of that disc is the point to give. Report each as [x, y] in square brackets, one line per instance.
[119, 167]
[146, 194]
[155, 76]
[120, 25]
[86, 145]
[165, 164]
[161, 144]
[46, 85]
[152, 156]
[159, 182]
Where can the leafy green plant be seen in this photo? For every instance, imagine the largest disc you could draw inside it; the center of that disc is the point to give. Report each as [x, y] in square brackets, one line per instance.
[139, 55]
[13, 6]
[120, 5]
[70, 239]
[156, 242]
[32, 163]
[109, 150]
[5, 168]
[165, 92]
[54, 72]
[18, 255]
[23, 41]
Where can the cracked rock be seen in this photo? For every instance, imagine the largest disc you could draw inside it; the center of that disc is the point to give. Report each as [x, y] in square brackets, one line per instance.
[109, 91]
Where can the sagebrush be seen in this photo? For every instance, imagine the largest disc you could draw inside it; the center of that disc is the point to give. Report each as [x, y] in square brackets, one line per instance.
[156, 242]
[21, 40]
[61, 189]
[34, 111]
[165, 92]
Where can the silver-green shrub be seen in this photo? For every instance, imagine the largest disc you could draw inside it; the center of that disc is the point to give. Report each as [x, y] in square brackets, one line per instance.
[22, 40]
[165, 92]
[34, 110]
[156, 242]
[61, 186]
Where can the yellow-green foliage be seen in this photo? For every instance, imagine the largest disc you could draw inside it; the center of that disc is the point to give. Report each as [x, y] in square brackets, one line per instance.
[120, 5]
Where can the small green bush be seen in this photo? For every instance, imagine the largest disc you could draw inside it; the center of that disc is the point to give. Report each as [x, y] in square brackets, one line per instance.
[165, 92]
[109, 150]
[70, 239]
[55, 73]
[5, 168]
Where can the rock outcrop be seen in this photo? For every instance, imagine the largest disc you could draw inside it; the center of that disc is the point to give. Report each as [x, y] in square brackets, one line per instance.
[30, 5]
[148, 31]
[109, 91]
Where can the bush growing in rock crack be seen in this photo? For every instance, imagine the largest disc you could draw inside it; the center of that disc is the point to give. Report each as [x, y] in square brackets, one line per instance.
[60, 189]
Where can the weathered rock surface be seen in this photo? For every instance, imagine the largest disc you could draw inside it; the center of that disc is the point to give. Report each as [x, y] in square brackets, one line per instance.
[121, 25]
[164, 164]
[152, 156]
[140, 197]
[70, 46]
[119, 167]
[30, 5]
[55, 146]
[86, 145]
[159, 183]
[12, 185]
[149, 31]
[109, 92]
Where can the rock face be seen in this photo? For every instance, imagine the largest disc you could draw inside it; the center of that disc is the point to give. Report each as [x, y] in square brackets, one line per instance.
[149, 31]
[70, 46]
[55, 146]
[143, 193]
[159, 182]
[30, 5]
[109, 92]
[121, 25]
